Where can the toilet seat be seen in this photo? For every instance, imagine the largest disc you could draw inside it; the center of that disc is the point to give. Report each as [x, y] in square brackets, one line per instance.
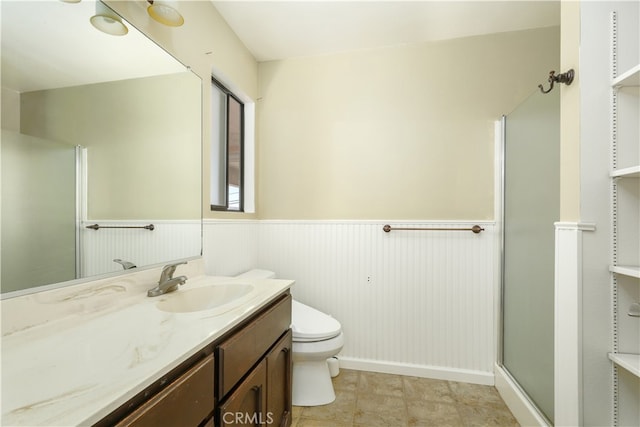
[331, 346]
[309, 324]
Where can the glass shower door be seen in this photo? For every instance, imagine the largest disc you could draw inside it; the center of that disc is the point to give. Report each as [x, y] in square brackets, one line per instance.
[531, 206]
[39, 211]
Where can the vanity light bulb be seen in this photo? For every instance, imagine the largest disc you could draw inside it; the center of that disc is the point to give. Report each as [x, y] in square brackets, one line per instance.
[165, 13]
[109, 25]
[107, 21]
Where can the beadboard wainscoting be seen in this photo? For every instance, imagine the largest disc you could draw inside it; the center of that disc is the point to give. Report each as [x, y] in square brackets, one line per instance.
[410, 302]
[170, 240]
[230, 247]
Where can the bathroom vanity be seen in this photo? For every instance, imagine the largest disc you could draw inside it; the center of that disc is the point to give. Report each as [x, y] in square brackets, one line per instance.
[248, 371]
[105, 354]
[102, 352]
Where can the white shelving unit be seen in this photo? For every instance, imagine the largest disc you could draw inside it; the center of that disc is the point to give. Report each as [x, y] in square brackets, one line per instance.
[625, 214]
[630, 172]
[628, 361]
[629, 78]
[626, 270]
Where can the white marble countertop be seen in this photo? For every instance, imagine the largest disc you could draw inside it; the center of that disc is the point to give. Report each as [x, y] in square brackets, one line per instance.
[76, 369]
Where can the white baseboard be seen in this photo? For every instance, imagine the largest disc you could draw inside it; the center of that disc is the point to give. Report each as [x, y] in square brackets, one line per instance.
[518, 404]
[438, 373]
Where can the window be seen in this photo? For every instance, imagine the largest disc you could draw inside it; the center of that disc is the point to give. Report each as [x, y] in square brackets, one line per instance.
[227, 150]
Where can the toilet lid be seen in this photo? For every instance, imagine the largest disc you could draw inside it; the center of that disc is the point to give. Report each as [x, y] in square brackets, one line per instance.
[309, 324]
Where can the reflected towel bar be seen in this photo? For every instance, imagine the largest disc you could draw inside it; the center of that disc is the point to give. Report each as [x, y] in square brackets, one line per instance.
[476, 229]
[150, 227]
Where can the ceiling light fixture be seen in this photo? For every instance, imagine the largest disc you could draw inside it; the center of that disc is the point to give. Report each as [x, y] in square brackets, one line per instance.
[107, 21]
[165, 12]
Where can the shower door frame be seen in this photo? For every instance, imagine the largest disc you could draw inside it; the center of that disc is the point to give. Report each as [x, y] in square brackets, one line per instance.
[500, 177]
[81, 205]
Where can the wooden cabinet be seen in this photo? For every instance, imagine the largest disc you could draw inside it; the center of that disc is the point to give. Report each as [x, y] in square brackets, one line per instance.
[243, 378]
[192, 390]
[279, 381]
[264, 396]
[262, 348]
[246, 406]
[237, 354]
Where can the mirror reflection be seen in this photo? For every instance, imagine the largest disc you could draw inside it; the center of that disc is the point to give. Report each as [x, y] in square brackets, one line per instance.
[97, 129]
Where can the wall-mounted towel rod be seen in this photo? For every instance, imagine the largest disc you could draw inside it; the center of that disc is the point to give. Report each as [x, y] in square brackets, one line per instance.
[150, 227]
[476, 229]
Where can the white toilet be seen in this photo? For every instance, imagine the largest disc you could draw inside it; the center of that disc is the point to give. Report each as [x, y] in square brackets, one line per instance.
[316, 338]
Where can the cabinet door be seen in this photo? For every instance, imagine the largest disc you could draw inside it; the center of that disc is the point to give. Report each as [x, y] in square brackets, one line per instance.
[185, 402]
[279, 370]
[246, 406]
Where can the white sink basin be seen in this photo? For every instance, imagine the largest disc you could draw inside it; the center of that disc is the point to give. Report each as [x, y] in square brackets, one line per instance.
[205, 298]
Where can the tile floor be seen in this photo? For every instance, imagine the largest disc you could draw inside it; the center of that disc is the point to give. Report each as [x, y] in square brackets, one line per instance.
[371, 399]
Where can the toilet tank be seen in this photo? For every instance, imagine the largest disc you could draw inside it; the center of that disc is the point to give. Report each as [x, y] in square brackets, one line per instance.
[257, 274]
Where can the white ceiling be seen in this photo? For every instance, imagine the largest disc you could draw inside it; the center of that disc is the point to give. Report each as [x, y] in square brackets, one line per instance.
[51, 44]
[274, 30]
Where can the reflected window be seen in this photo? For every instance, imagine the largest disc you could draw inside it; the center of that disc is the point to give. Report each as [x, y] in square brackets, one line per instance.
[227, 150]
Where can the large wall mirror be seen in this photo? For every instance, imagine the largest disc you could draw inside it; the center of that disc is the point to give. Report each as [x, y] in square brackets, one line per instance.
[100, 149]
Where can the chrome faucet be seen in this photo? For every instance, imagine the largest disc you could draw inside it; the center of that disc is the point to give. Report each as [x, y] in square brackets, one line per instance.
[167, 282]
[125, 264]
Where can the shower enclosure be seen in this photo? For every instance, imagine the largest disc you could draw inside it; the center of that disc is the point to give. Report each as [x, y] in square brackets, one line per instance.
[40, 211]
[531, 205]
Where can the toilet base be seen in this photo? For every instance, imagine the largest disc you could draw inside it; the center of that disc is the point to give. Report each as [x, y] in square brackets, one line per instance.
[312, 384]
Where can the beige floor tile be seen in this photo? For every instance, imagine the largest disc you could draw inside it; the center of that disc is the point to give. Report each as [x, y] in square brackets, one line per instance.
[307, 422]
[372, 399]
[437, 414]
[427, 389]
[375, 410]
[347, 380]
[486, 416]
[296, 411]
[476, 394]
[383, 384]
[341, 410]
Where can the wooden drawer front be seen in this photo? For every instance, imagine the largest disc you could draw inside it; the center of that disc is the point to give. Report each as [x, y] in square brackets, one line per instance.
[185, 402]
[246, 405]
[239, 353]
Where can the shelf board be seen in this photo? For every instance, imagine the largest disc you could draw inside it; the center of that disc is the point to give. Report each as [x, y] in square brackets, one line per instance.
[632, 172]
[628, 361]
[627, 270]
[629, 78]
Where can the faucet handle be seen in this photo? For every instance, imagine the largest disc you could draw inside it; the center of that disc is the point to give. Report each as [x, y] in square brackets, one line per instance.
[168, 270]
[125, 264]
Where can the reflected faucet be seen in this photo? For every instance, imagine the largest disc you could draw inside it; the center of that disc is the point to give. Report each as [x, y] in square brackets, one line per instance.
[125, 264]
[167, 282]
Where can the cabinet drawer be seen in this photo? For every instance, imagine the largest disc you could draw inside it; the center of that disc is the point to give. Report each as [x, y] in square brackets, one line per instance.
[241, 351]
[185, 402]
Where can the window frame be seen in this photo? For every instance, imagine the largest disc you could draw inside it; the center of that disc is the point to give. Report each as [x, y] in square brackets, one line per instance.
[241, 178]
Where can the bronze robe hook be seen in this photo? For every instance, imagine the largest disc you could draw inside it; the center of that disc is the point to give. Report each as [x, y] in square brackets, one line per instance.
[565, 78]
